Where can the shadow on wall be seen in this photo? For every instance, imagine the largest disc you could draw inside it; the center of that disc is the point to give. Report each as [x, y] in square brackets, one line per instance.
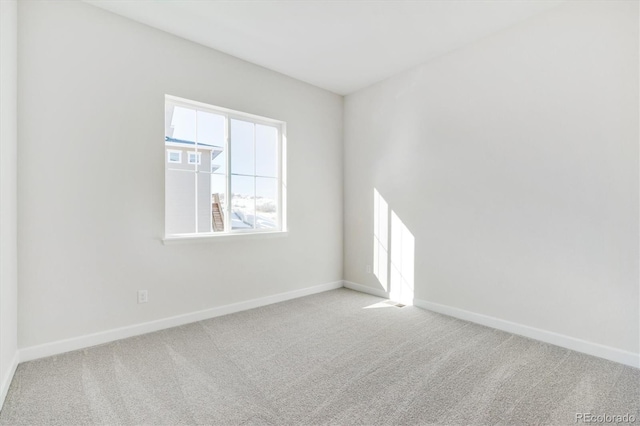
[393, 252]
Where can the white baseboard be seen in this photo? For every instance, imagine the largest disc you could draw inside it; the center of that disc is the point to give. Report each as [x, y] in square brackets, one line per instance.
[62, 346]
[366, 289]
[81, 342]
[579, 345]
[6, 380]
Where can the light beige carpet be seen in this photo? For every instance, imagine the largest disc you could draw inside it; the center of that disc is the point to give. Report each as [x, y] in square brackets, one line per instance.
[323, 359]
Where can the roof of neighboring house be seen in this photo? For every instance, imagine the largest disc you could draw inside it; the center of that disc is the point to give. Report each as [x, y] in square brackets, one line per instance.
[185, 142]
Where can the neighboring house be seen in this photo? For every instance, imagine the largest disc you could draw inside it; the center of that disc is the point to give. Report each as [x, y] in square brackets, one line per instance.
[188, 175]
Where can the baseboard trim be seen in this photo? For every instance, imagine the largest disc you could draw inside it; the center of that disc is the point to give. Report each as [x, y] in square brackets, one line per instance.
[578, 345]
[67, 345]
[6, 380]
[366, 289]
[81, 342]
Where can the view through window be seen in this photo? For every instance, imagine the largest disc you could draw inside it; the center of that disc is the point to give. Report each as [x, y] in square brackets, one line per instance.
[223, 170]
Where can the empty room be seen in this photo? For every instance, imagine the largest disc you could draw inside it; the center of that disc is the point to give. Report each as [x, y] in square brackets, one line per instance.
[323, 212]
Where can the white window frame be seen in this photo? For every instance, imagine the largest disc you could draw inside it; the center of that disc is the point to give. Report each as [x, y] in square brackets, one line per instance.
[229, 114]
[174, 151]
[198, 155]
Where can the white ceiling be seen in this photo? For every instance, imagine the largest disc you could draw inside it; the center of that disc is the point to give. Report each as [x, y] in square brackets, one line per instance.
[341, 46]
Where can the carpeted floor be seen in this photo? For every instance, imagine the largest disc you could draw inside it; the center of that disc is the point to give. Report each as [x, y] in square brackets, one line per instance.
[322, 359]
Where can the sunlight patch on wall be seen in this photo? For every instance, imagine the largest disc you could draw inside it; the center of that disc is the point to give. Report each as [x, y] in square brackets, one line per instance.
[402, 262]
[380, 238]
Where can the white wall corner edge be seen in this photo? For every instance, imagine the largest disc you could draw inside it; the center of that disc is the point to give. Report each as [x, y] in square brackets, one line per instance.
[82, 342]
[590, 348]
[6, 380]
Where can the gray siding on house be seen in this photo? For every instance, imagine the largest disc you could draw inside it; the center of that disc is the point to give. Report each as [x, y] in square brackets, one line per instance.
[180, 191]
[204, 200]
[180, 205]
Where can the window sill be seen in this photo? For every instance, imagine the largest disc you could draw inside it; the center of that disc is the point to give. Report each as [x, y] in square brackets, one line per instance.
[207, 238]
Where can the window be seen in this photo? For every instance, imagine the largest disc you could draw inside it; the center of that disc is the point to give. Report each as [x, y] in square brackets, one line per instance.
[236, 186]
[174, 156]
[195, 157]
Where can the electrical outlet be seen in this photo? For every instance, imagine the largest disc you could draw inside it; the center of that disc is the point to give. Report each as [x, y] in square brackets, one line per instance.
[143, 296]
[368, 269]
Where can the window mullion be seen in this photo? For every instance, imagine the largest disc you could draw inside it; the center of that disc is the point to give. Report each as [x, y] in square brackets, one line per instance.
[279, 189]
[227, 223]
[255, 195]
[196, 174]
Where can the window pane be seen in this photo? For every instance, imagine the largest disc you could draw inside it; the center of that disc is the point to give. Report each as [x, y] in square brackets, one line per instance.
[174, 156]
[218, 161]
[204, 202]
[211, 136]
[210, 129]
[266, 203]
[242, 202]
[168, 118]
[266, 151]
[242, 147]
[204, 160]
[183, 124]
[180, 199]
[218, 194]
[194, 157]
[180, 135]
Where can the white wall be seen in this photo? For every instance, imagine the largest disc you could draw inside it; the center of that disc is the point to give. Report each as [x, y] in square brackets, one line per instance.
[8, 191]
[91, 176]
[514, 163]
